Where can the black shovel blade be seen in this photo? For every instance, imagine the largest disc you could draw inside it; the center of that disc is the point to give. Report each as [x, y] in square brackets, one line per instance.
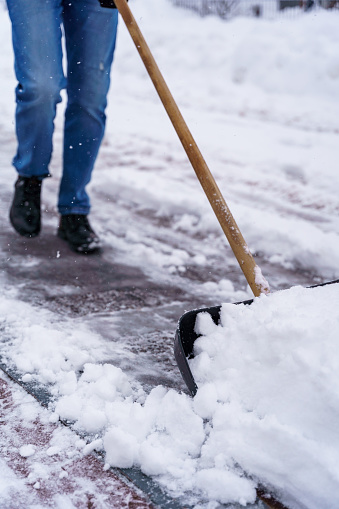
[185, 337]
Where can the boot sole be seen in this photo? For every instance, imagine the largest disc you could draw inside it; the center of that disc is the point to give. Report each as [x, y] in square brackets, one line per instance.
[78, 249]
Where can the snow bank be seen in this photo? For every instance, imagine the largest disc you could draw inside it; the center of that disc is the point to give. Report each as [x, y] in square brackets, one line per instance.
[282, 68]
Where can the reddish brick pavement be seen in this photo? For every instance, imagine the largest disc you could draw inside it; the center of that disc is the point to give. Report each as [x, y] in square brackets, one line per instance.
[53, 476]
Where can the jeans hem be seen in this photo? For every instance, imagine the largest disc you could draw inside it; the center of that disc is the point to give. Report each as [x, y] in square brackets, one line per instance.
[40, 177]
[65, 211]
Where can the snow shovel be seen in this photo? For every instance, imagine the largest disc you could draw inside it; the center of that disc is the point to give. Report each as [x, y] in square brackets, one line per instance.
[257, 283]
[185, 335]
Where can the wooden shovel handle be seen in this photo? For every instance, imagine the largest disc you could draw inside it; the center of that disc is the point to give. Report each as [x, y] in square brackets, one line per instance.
[221, 210]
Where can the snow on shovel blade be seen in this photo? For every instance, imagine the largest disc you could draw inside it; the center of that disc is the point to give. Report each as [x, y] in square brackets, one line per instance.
[185, 337]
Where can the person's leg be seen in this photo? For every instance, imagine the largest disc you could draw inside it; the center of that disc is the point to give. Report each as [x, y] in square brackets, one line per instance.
[36, 37]
[90, 33]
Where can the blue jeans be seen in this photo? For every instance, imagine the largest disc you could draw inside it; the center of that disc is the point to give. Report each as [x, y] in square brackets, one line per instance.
[90, 35]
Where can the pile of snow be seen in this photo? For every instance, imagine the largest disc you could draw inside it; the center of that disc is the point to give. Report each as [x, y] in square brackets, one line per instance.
[268, 383]
[267, 401]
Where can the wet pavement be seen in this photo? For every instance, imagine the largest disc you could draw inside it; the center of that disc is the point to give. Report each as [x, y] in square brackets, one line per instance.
[118, 301]
[133, 313]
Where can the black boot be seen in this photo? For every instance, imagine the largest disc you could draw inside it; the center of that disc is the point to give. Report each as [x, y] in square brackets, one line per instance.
[76, 230]
[25, 213]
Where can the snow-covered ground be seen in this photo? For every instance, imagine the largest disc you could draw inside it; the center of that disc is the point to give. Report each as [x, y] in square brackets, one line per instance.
[261, 98]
